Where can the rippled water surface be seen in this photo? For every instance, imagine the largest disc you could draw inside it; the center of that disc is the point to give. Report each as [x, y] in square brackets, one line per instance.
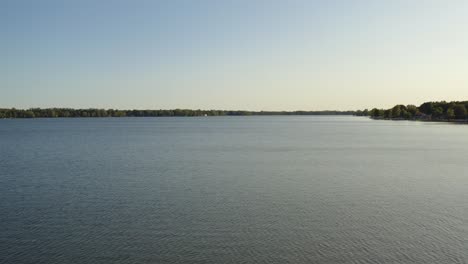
[233, 190]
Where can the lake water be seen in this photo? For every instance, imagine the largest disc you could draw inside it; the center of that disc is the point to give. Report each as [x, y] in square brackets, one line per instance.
[283, 189]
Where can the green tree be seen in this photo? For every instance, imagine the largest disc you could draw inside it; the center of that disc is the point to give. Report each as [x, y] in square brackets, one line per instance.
[437, 112]
[388, 113]
[405, 114]
[375, 113]
[460, 111]
[412, 110]
[29, 114]
[396, 111]
[426, 108]
[450, 113]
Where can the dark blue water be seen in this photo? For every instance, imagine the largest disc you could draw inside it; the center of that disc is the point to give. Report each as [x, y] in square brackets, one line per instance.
[233, 190]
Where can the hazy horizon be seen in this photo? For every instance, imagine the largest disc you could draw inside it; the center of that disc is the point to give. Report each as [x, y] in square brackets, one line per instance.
[248, 55]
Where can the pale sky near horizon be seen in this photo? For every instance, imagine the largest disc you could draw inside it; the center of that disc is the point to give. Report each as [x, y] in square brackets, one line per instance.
[253, 55]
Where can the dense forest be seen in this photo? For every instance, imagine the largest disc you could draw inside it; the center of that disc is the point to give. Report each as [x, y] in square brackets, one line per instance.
[429, 111]
[68, 112]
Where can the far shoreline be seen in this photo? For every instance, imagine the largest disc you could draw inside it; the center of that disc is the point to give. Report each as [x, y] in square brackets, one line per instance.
[99, 113]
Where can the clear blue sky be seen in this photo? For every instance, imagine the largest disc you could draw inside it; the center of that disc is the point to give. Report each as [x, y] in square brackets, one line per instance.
[255, 55]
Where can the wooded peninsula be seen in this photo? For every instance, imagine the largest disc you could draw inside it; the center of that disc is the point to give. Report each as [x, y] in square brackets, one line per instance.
[430, 111]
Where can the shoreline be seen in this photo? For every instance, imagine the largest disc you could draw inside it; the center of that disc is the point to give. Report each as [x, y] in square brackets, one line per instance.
[423, 120]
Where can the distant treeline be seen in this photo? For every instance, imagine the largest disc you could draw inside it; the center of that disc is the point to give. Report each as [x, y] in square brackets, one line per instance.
[430, 111]
[68, 112]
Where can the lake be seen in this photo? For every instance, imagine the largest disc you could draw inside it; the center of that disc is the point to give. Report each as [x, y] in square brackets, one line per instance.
[254, 189]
